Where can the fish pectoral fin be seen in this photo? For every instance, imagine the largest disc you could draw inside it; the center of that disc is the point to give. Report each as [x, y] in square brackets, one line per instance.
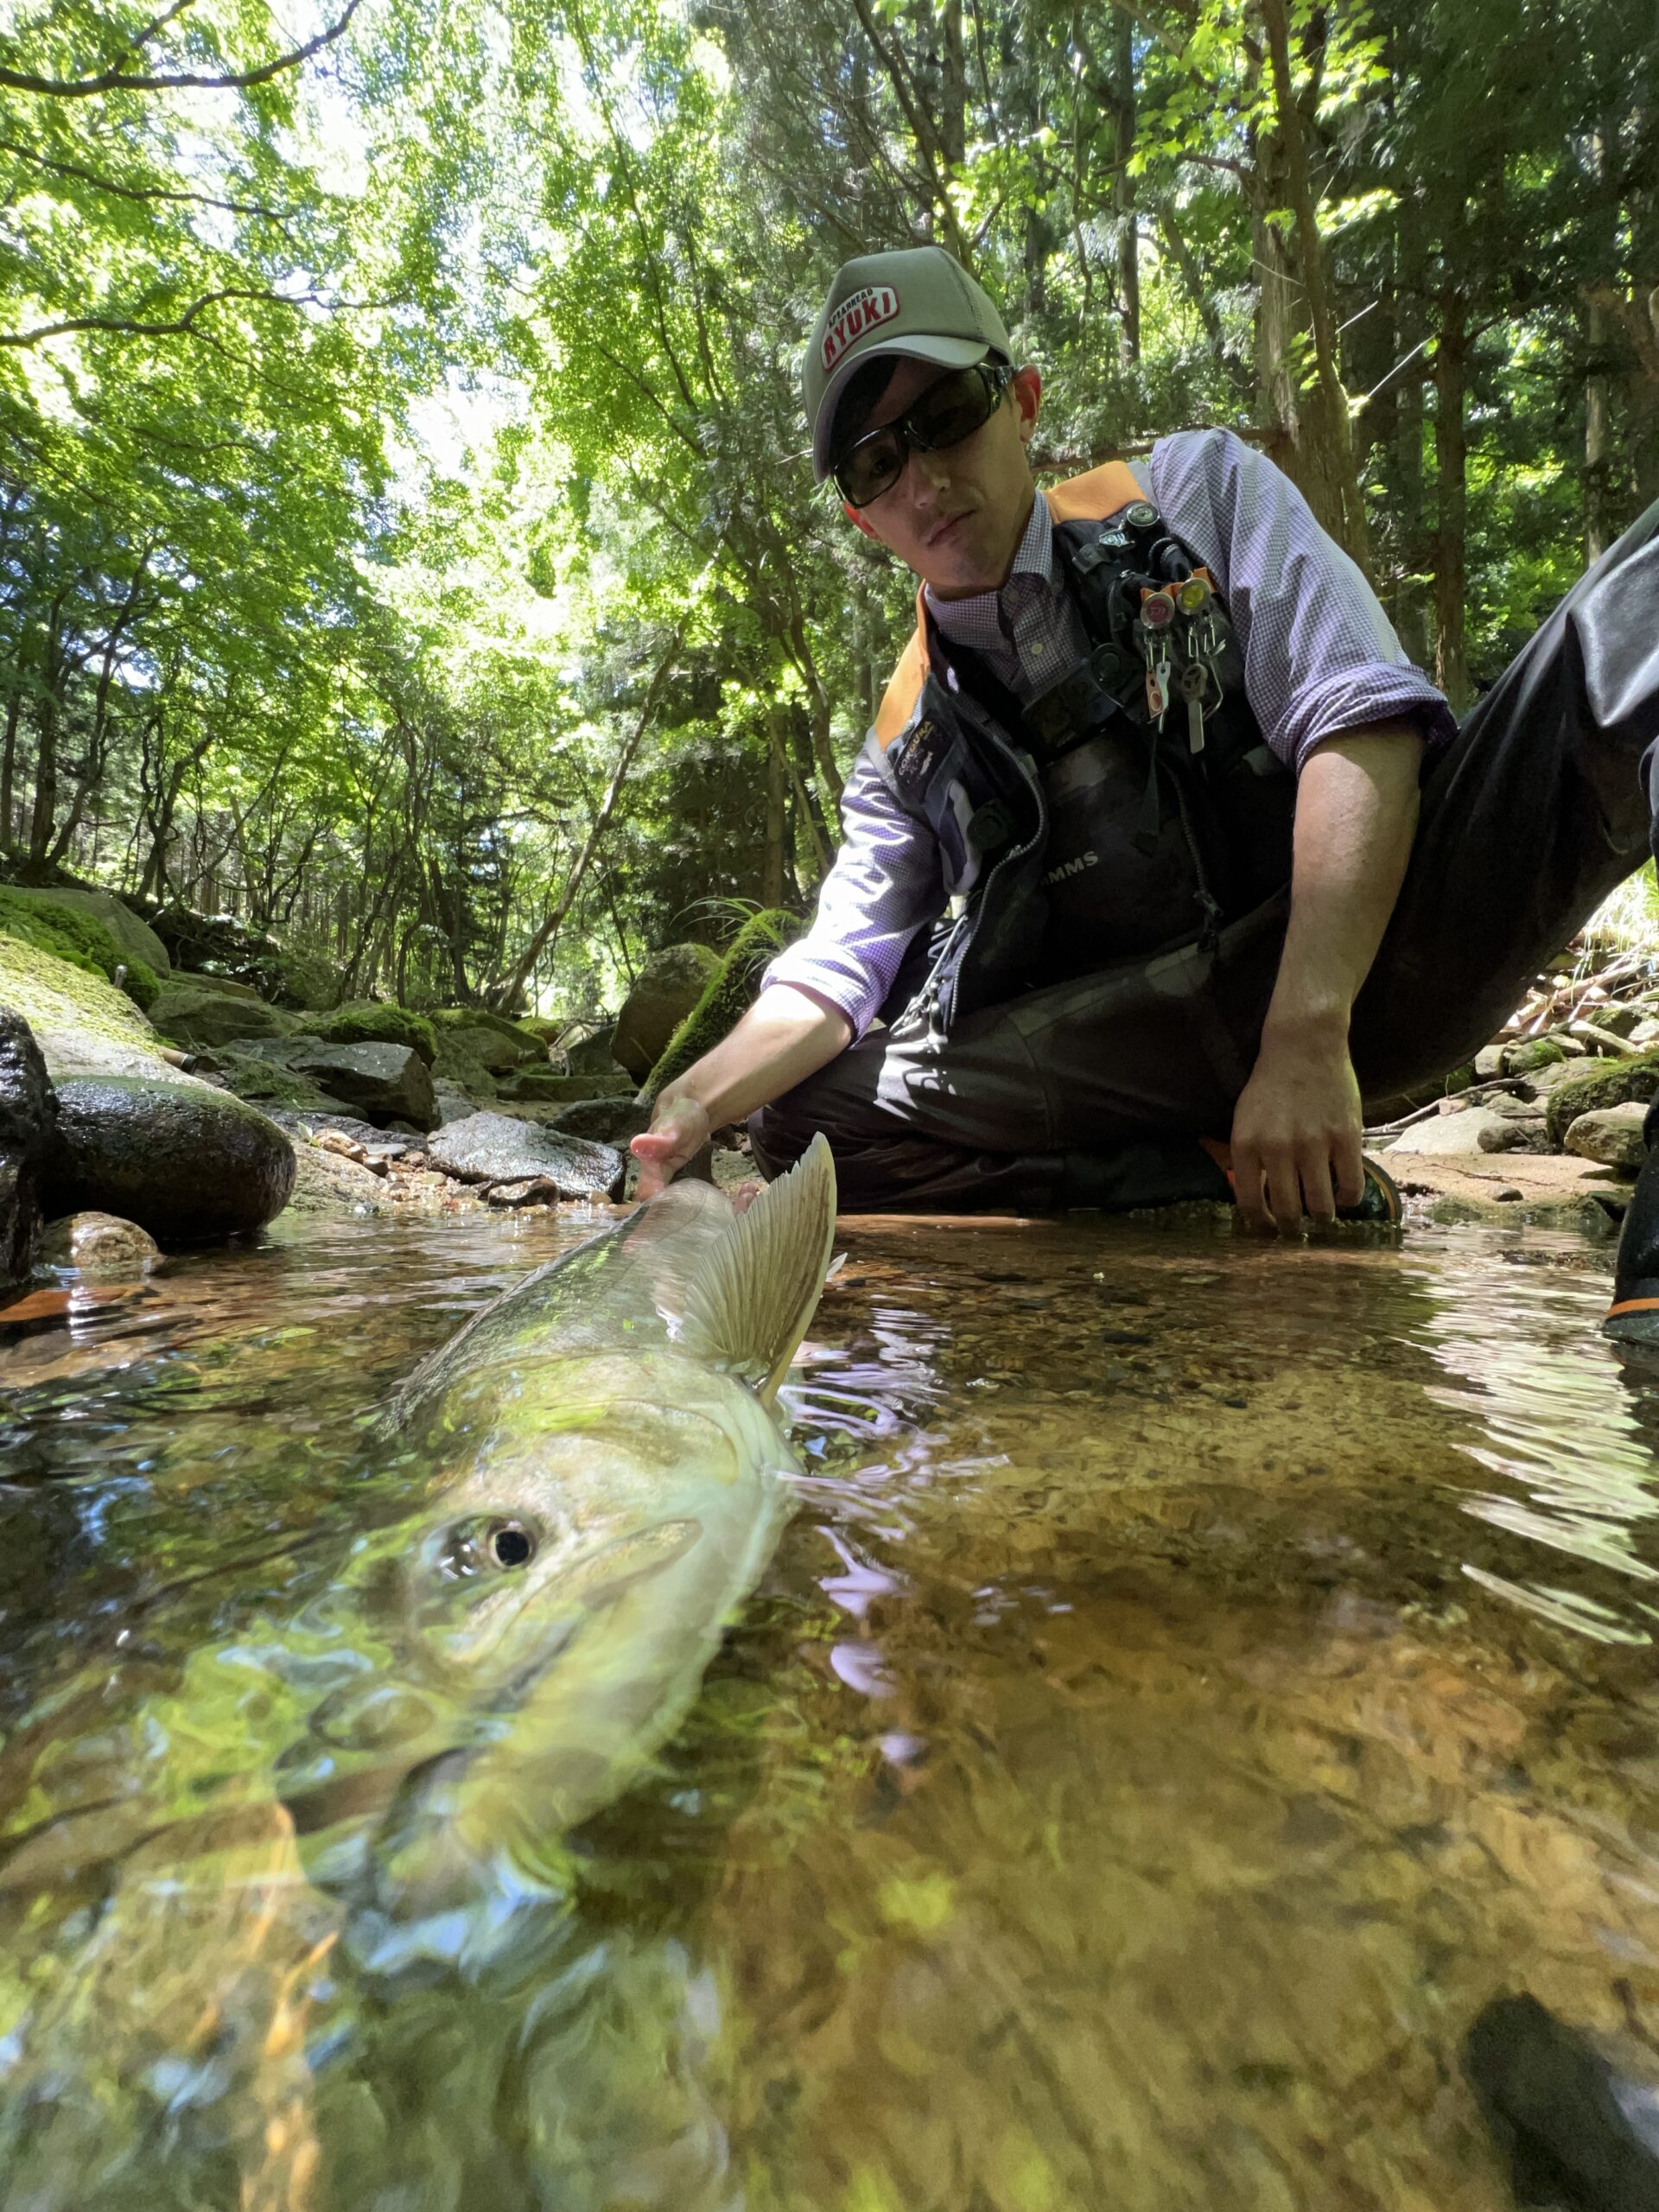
[749, 1303]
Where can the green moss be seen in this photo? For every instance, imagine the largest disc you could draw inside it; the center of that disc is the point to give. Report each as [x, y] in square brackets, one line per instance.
[67, 933]
[362, 1021]
[457, 1063]
[731, 991]
[1604, 1083]
[268, 1084]
[539, 1028]
[77, 1017]
[491, 1038]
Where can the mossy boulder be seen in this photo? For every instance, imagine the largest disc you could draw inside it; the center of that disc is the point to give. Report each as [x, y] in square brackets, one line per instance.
[365, 1021]
[83, 1025]
[134, 938]
[729, 993]
[267, 1083]
[545, 1031]
[668, 987]
[71, 933]
[201, 1019]
[496, 1042]
[1604, 1083]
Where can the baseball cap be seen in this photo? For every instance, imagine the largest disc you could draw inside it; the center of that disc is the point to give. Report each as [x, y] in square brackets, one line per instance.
[918, 301]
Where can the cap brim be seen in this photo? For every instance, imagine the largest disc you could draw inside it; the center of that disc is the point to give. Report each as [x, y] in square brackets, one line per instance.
[948, 353]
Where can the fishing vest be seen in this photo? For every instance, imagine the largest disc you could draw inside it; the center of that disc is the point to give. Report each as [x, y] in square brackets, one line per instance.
[1131, 808]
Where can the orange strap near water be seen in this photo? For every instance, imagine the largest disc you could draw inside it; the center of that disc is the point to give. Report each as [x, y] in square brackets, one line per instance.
[1089, 498]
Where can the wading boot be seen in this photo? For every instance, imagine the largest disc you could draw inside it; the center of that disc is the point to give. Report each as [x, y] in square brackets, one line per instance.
[1633, 1317]
[1380, 1203]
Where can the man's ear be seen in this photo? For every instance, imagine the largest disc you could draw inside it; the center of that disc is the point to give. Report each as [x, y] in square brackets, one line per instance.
[858, 521]
[1027, 390]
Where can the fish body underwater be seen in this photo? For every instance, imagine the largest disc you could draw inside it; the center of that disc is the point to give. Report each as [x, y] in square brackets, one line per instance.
[594, 1476]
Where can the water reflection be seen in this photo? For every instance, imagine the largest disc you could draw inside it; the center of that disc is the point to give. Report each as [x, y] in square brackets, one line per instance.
[1196, 1680]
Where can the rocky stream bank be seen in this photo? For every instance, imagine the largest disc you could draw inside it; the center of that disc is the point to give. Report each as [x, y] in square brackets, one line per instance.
[145, 1105]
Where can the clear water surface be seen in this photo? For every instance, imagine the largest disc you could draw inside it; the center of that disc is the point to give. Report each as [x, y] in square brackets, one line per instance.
[1198, 1677]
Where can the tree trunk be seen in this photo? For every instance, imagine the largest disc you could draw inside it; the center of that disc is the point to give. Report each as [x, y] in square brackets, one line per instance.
[953, 118]
[1451, 467]
[1123, 207]
[1326, 470]
[1598, 531]
[772, 858]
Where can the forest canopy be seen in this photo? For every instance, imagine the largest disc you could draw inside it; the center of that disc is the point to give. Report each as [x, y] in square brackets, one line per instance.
[408, 541]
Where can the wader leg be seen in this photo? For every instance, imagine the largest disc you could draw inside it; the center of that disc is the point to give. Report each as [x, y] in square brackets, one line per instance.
[1545, 803]
[1092, 1092]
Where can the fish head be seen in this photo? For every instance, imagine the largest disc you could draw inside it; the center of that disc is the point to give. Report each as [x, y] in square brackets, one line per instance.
[551, 1611]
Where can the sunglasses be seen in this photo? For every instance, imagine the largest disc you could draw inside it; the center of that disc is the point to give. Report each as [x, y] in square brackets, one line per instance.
[947, 412]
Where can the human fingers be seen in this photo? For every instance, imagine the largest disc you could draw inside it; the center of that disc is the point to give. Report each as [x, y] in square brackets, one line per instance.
[1284, 1186]
[1314, 1173]
[1248, 1185]
[1349, 1163]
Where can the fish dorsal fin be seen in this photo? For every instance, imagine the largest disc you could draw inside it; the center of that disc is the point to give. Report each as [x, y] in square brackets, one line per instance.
[751, 1299]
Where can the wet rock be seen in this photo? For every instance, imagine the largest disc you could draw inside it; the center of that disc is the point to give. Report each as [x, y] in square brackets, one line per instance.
[610, 1121]
[498, 1148]
[27, 1131]
[1575, 2133]
[665, 992]
[203, 1017]
[1452, 1136]
[1605, 1082]
[387, 1083]
[1612, 1135]
[98, 1244]
[187, 1162]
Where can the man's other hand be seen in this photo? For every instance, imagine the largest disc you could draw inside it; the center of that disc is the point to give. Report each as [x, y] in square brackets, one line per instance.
[679, 1130]
[1296, 1133]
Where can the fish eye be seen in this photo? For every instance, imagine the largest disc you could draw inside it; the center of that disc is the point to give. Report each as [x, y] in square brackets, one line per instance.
[512, 1544]
[477, 1546]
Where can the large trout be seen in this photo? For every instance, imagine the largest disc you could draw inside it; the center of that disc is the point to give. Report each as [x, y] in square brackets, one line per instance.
[601, 1476]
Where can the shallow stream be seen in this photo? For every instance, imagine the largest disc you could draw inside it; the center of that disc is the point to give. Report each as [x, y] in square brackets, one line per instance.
[1199, 1676]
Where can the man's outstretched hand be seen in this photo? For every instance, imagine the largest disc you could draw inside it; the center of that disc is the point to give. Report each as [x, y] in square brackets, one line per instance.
[1296, 1133]
[679, 1130]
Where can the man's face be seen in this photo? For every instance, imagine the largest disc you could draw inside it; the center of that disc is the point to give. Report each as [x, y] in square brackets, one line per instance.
[956, 517]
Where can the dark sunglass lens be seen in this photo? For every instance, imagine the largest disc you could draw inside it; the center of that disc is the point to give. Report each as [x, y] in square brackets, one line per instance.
[873, 466]
[953, 409]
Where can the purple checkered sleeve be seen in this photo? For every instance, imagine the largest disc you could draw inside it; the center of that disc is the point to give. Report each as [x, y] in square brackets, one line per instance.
[1319, 657]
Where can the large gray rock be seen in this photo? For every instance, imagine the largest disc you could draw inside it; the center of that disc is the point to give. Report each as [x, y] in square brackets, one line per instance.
[201, 1014]
[134, 936]
[498, 1148]
[384, 1083]
[1452, 1136]
[491, 1040]
[1612, 1135]
[185, 1161]
[667, 988]
[27, 1133]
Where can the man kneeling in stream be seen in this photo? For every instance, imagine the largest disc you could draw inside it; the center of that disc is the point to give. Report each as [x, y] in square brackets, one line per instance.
[1161, 862]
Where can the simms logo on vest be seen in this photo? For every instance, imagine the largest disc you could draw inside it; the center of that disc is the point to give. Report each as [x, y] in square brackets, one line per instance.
[866, 310]
[1069, 868]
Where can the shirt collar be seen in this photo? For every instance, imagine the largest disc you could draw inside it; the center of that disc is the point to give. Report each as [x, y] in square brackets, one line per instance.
[966, 621]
